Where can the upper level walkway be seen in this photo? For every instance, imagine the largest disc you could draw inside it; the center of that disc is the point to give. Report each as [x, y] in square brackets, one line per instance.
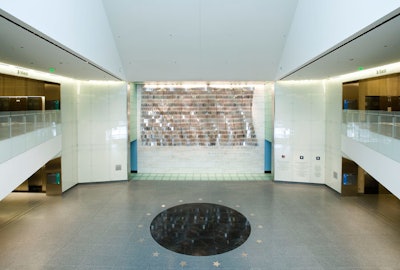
[372, 140]
[23, 130]
[28, 140]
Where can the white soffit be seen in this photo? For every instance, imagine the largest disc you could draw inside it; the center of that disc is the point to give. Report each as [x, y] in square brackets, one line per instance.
[375, 47]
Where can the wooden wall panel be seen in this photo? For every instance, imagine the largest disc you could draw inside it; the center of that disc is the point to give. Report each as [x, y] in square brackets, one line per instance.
[52, 91]
[9, 85]
[387, 86]
[1, 85]
[35, 88]
[362, 90]
[20, 87]
[393, 85]
[350, 91]
[382, 86]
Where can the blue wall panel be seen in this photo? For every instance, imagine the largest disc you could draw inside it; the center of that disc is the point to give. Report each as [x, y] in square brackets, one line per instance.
[267, 158]
[134, 156]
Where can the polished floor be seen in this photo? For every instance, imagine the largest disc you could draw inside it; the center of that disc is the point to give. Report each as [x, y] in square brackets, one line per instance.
[107, 226]
[200, 229]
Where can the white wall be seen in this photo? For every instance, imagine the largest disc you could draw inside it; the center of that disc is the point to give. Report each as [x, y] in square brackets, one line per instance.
[215, 159]
[81, 26]
[333, 154]
[299, 130]
[102, 131]
[320, 25]
[69, 160]
[269, 112]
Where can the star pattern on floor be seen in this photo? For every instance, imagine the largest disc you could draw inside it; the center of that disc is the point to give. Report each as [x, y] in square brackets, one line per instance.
[141, 240]
[259, 241]
[156, 254]
[216, 264]
[183, 263]
[244, 255]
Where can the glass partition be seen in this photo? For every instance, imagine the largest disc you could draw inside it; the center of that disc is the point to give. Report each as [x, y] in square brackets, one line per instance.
[20, 122]
[381, 122]
[380, 130]
[22, 130]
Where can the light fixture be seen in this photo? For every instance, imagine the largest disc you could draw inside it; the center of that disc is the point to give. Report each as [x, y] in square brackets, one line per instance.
[202, 84]
[175, 85]
[31, 73]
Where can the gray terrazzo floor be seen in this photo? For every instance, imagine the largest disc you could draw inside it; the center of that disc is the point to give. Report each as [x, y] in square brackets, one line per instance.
[106, 226]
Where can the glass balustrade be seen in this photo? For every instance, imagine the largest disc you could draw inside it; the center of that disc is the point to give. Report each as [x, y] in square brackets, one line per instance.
[380, 130]
[17, 123]
[22, 130]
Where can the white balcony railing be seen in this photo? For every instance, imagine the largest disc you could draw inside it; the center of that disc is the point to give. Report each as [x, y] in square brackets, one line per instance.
[379, 130]
[22, 130]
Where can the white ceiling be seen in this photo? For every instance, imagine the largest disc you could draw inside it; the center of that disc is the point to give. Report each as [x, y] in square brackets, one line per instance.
[23, 48]
[200, 40]
[205, 41]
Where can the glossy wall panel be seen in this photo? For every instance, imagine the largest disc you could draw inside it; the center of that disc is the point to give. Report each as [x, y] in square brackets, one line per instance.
[299, 132]
[133, 112]
[102, 132]
[69, 118]
[333, 169]
[269, 112]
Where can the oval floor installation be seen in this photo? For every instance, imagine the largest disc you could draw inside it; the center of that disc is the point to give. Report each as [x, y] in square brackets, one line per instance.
[200, 229]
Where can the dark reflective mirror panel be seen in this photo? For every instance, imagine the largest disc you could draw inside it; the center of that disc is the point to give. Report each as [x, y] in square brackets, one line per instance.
[200, 229]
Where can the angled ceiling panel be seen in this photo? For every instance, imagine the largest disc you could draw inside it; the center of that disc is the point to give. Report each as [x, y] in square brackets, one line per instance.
[376, 47]
[21, 47]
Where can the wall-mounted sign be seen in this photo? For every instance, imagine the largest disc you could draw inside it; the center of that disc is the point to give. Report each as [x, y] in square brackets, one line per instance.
[381, 71]
[23, 73]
